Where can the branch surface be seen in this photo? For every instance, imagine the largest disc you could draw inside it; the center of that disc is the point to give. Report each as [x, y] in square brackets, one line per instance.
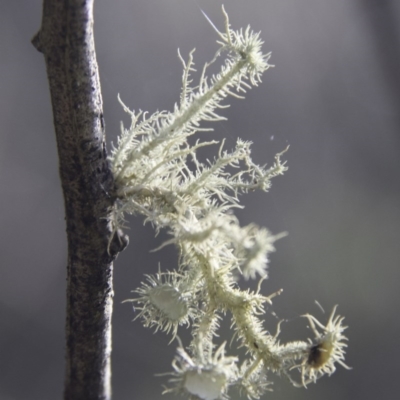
[66, 41]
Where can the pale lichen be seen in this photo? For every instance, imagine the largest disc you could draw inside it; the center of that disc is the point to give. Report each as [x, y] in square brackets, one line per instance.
[159, 176]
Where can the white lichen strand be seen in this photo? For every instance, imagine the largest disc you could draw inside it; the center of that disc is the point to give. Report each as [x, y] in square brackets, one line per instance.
[327, 348]
[159, 176]
[166, 301]
[203, 378]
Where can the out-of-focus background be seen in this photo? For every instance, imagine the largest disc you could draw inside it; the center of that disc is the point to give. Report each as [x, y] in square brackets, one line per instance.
[334, 96]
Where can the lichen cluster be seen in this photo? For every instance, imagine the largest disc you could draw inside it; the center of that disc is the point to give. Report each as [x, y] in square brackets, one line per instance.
[159, 176]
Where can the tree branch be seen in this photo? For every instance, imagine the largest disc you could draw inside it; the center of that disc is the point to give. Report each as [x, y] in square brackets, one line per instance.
[66, 40]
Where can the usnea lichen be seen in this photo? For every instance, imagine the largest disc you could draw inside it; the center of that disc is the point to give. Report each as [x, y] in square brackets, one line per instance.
[159, 176]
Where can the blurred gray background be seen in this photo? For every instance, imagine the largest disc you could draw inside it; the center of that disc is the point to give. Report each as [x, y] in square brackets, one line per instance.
[334, 96]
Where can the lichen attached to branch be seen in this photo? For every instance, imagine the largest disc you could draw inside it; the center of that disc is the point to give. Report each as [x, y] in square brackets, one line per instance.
[159, 176]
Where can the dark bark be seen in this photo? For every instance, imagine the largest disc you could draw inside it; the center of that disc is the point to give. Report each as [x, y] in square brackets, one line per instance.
[66, 40]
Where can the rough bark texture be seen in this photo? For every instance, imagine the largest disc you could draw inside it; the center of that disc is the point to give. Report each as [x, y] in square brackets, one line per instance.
[66, 40]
